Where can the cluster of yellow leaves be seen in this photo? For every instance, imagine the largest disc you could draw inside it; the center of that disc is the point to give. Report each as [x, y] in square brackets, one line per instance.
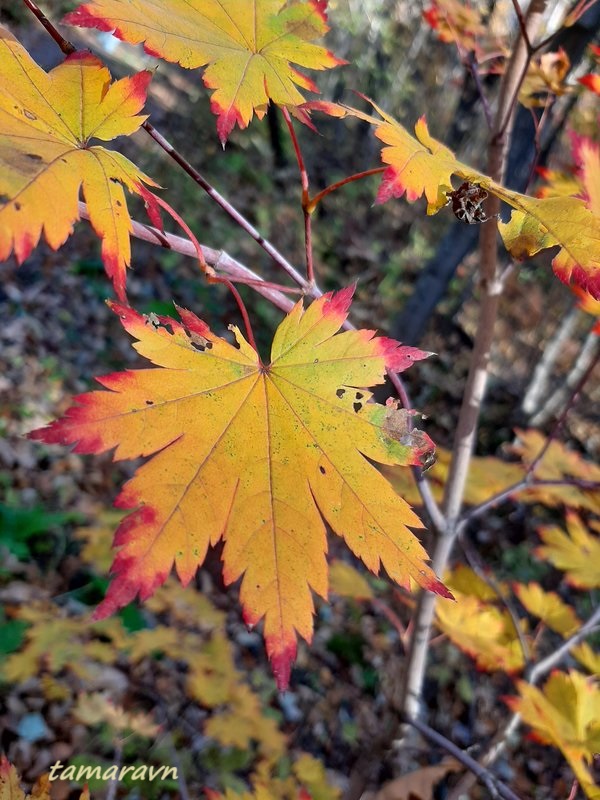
[307, 781]
[420, 165]
[47, 124]
[248, 47]
[480, 625]
[54, 642]
[10, 787]
[566, 714]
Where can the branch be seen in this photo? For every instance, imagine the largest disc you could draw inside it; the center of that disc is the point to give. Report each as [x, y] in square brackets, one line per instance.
[494, 786]
[492, 284]
[222, 262]
[528, 482]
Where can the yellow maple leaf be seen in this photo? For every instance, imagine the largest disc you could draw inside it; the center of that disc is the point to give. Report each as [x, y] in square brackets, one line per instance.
[54, 642]
[47, 121]
[247, 46]
[10, 788]
[549, 607]
[559, 462]
[347, 581]
[546, 75]
[420, 165]
[96, 708]
[566, 714]
[478, 626]
[588, 657]
[258, 455]
[577, 553]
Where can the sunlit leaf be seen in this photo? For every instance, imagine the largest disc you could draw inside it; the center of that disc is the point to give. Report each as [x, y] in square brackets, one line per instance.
[48, 122]
[247, 47]
[259, 455]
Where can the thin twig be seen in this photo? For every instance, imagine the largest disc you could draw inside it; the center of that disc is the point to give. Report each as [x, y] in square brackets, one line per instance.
[476, 563]
[308, 247]
[522, 26]
[67, 47]
[494, 786]
[314, 201]
[520, 486]
[473, 68]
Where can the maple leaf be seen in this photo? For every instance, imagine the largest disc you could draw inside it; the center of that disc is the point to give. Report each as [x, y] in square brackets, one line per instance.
[96, 708]
[420, 165]
[477, 626]
[257, 455]
[346, 581]
[546, 75]
[549, 607]
[455, 22]
[10, 788]
[247, 46]
[577, 552]
[47, 121]
[589, 658]
[566, 714]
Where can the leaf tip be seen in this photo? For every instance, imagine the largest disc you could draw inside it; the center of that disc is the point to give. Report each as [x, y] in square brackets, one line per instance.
[281, 664]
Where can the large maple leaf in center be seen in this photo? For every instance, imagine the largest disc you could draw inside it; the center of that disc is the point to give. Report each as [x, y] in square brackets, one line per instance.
[260, 456]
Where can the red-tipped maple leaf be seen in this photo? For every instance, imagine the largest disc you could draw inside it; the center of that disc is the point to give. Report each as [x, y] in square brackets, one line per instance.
[246, 46]
[258, 455]
[47, 124]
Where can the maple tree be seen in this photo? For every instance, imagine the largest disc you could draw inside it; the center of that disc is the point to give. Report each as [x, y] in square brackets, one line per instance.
[267, 456]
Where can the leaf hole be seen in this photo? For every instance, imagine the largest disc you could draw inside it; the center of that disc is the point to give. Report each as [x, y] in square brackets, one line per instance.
[322, 470]
[359, 395]
[149, 402]
[357, 407]
[17, 206]
[340, 393]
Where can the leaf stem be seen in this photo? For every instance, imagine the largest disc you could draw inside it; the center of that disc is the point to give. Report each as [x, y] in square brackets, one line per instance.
[314, 202]
[67, 47]
[306, 210]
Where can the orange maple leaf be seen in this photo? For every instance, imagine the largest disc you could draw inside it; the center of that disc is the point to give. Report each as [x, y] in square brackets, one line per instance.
[420, 164]
[256, 455]
[247, 46]
[47, 121]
